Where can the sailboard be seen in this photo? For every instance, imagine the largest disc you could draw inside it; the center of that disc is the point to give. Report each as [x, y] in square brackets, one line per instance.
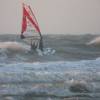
[30, 29]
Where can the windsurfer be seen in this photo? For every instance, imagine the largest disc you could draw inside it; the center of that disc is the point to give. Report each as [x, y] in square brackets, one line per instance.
[30, 29]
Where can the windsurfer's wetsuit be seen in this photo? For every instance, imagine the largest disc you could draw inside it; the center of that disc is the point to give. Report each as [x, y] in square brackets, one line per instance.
[22, 36]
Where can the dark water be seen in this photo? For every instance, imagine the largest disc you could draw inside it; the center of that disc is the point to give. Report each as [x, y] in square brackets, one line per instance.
[72, 73]
[68, 48]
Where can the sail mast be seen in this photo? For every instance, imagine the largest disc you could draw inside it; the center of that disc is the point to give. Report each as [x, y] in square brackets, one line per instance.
[41, 40]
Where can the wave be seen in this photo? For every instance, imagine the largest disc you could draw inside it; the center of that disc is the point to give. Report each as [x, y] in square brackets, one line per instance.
[60, 78]
[95, 41]
[57, 65]
[17, 47]
[14, 47]
[13, 51]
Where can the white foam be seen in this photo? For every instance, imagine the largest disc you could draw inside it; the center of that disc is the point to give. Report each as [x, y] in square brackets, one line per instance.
[58, 65]
[46, 51]
[49, 51]
[13, 47]
[13, 51]
[66, 73]
[16, 47]
[95, 41]
[40, 53]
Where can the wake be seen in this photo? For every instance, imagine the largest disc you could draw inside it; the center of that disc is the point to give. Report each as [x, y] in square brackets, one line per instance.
[46, 51]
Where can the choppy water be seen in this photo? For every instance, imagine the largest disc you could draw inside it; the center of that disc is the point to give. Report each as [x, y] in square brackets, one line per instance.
[72, 73]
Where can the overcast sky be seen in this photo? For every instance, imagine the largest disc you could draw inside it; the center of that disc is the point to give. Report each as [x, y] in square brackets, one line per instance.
[54, 16]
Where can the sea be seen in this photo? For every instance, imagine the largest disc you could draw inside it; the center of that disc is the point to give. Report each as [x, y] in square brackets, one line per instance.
[71, 72]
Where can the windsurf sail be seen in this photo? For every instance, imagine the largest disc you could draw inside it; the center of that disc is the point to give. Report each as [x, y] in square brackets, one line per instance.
[30, 29]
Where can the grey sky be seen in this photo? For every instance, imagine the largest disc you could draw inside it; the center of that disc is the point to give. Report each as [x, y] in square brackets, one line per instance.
[54, 16]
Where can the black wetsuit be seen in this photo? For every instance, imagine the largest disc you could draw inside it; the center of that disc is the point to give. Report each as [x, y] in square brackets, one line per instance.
[22, 36]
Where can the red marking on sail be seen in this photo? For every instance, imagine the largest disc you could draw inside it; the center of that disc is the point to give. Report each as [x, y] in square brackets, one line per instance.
[32, 19]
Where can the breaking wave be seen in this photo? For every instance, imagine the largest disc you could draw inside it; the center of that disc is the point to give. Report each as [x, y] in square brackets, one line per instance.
[13, 47]
[16, 51]
[95, 41]
[12, 51]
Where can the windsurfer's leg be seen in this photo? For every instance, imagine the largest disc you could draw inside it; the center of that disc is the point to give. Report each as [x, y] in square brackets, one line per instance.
[41, 45]
[33, 45]
[37, 44]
